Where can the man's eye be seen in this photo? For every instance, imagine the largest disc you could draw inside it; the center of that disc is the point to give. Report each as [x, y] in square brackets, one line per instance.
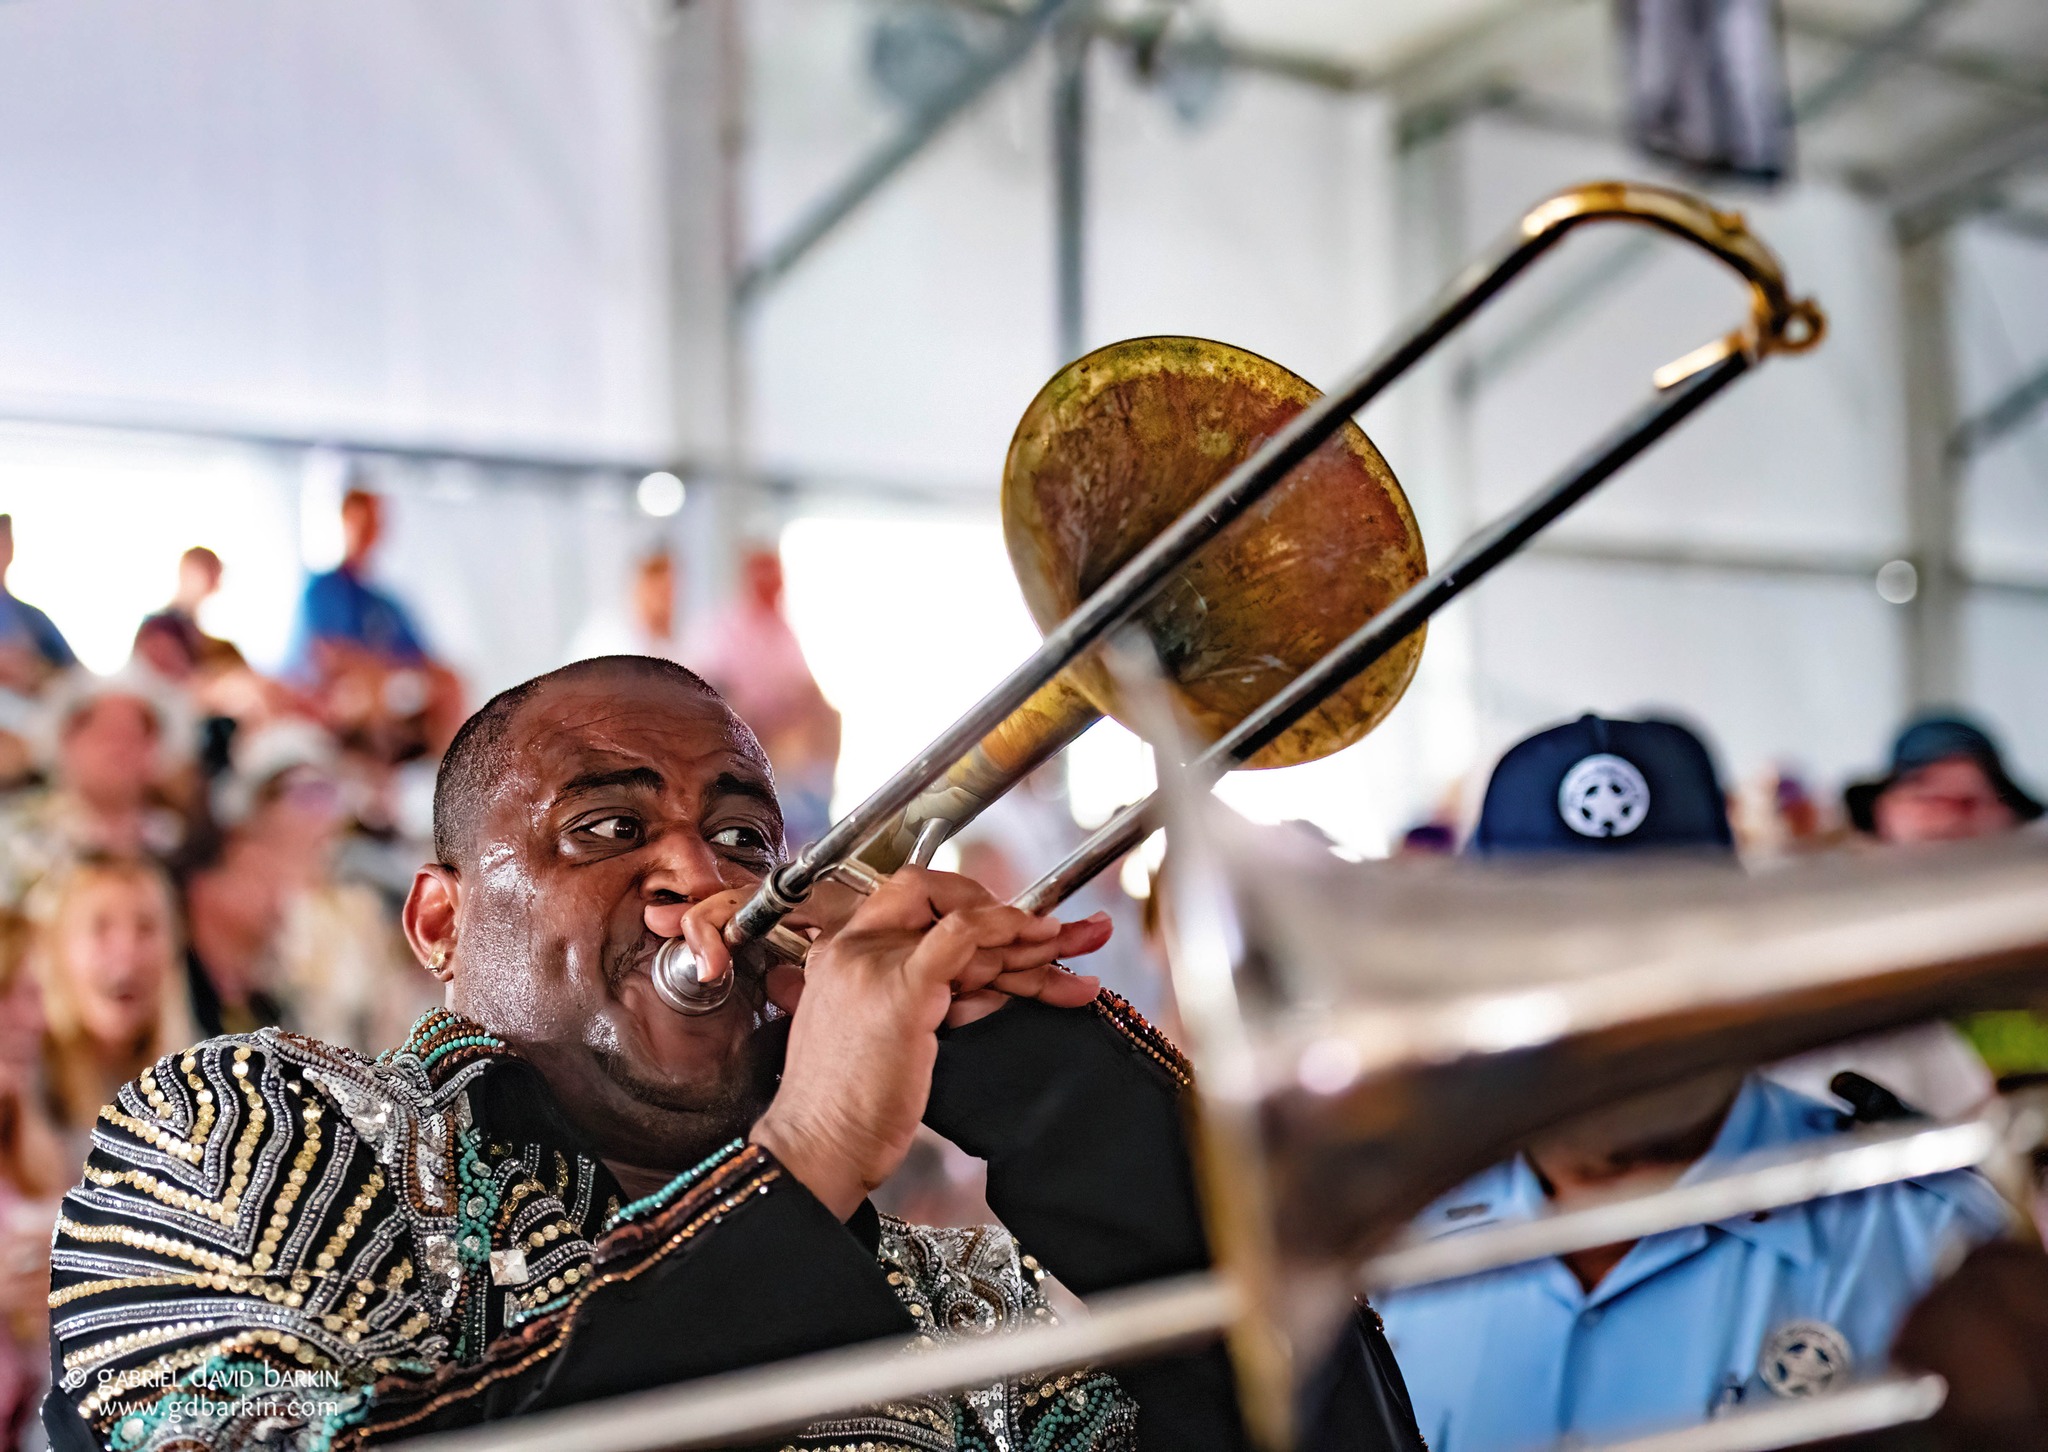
[614, 829]
[740, 839]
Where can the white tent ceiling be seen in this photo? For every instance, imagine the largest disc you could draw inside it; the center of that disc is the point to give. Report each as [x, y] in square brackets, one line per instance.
[1926, 91]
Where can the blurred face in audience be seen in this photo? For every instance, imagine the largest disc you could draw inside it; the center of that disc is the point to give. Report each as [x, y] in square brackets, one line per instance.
[198, 577]
[654, 596]
[298, 817]
[21, 1029]
[162, 645]
[1947, 801]
[362, 525]
[114, 945]
[763, 572]
[621, 791]
[109, 751]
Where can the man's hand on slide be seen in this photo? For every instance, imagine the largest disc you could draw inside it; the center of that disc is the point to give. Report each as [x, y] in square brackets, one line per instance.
[831, 906]
[929, 948]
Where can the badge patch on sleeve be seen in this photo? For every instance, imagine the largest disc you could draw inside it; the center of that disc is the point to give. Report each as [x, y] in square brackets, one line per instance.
[1804, 1359]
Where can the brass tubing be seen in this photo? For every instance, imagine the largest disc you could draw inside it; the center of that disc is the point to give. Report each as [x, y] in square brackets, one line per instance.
[1777, 323]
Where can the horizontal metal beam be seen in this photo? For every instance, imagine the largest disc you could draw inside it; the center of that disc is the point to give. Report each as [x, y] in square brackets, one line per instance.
[1139, 35]
[1733, 560]
[1781, 564]
[1408, 69]
[1715, 558]
[2019, 221]
[415, 451]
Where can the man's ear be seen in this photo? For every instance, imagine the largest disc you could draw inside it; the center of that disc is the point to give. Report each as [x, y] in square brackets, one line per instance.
[429, 918]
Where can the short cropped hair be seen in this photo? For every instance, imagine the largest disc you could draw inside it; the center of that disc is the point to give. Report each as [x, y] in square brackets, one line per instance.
[477, 757]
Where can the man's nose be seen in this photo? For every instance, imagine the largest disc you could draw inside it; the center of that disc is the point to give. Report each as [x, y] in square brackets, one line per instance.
[686, 866]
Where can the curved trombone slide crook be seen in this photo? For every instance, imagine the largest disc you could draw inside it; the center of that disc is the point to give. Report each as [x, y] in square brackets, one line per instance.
[1777, 323]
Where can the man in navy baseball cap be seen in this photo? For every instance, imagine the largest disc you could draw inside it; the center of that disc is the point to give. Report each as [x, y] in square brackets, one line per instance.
[1613, 1341]
[1604, 786]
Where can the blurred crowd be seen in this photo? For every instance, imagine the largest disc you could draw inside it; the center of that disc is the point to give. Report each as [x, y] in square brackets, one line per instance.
[190, 846]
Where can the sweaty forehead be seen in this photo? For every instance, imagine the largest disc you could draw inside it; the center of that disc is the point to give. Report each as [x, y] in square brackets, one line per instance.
[569, 730]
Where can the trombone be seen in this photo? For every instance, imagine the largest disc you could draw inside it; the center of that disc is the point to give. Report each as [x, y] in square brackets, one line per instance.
[1176, 481]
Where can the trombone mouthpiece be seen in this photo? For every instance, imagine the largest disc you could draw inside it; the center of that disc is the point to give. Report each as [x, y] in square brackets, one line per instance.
[679, 982]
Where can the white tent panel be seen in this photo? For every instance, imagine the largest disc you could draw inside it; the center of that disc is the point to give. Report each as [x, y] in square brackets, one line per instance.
[1807, 455]
[539, 559]
[1999, 288]
[1345, 29]
[909, 343]
[1769, 670]
[160, 496]
[1266, 225]
[339, 217]
[2005, 643]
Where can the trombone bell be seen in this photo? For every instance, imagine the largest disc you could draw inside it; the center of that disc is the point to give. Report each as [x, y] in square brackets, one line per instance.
[1113, 449]
[1124, 440]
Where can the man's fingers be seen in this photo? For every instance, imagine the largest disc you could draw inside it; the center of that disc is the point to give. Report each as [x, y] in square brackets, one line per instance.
[1084, 936]
[958, 937]
[912, 897]
[1054, 984]
[1059, 987]
[950, 892]
[665, 919]
[704, 932]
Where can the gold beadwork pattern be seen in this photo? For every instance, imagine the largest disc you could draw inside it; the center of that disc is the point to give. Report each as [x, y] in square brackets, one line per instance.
[1138, 1031]
[313, 1222]
[724, 1190]
[308, 1183]
[973, 1281]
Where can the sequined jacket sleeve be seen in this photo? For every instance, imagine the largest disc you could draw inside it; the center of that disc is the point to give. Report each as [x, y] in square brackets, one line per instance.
[267, 1247]
[1078, 1113]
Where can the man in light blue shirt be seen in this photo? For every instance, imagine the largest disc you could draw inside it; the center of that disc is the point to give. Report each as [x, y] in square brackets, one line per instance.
[31, 644]
[341, 609]
[1678, 1327]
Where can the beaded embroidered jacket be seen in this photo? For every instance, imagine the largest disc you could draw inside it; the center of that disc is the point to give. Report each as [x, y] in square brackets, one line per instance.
[276, 1240]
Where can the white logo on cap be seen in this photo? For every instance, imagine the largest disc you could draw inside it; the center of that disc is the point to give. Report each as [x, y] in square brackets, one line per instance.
[1803, 1359]
[1603, 796]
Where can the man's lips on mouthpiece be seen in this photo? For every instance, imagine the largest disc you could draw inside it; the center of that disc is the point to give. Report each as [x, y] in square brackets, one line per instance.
[638, 959]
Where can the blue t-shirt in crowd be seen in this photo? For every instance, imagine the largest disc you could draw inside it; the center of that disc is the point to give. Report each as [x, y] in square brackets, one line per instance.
[340, 606]
[24, 626]
[1690, 1323]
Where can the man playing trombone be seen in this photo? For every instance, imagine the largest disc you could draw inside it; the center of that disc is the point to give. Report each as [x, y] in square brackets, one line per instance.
[559, 1189]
